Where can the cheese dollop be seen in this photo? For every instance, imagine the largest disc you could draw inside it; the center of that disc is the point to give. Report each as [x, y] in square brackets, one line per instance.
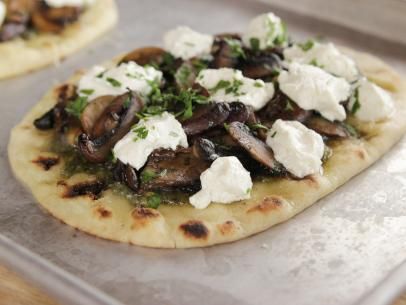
[3, 11]
[314, 89]
[100, 81]
[62, 3]
[160, 131]
[229, 85]
[185, 43]
[225, 181]
[370, 102]
[297, 147]
[267, 29]
[325, 56]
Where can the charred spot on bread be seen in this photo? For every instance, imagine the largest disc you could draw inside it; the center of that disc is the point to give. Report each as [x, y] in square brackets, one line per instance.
[102, 212]
[46, 162]
[226, 227]
[93, 189]
[194, 229]
[269, 203]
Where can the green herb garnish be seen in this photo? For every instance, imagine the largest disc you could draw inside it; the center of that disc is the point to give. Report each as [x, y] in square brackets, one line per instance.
[289, 106]
[153, 201]
[314, 62]
[258, 84]
[355, 100]
[77, 106]
[254, 43]
[258, 126]
[236, 48]
[248, 191]
[306, 46]
[87, 91]
[113, 82]
[273, 134]
[141, 133]
[147, 175]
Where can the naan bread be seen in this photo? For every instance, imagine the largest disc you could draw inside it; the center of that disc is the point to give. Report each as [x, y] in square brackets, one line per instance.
[113, 217]
[20, 56]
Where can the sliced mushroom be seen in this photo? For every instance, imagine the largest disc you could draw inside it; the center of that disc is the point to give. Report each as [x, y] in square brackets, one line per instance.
[113, 124]
[145, 56]
[255, 147]
[223, 55]
[42, 24]
[126, 174]
[179, 172]
[61, 15]
[185, 75]
[93, 111]
[17, 18]
[261, 66]
[10, 30]
[281, 107]
[240, 112]
[207, 117]
[205, 149]
[327, 128]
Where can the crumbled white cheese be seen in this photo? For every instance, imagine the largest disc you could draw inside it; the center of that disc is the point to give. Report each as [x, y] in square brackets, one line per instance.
[370, 102]
[115, 81]
[62, 3]
[229, 85]
[265, 31]
[160, 131]
[314, 89]
[3, 11]
[325, 56]
[225, 181]
[297, 147]
[185, 43]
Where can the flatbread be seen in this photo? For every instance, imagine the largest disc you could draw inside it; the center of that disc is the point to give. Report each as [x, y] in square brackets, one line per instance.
[113, 217]
[20, 56]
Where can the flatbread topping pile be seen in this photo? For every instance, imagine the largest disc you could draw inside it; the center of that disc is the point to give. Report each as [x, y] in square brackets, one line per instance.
[209, 139]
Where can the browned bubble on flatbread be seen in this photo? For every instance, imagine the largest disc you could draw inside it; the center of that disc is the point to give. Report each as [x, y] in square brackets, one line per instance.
[194, 229]
[143, 216]
[227, 228]
[361, 153]
[102, 212]
[268, 204]
[92, 188]
[46, 162]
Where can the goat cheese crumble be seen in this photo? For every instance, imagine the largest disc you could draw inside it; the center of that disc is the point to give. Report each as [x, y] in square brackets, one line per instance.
[229, 85]
[185, 43]
[160, 131]
[314, 89]
[297, 147]
[100, 81]
[226, 181]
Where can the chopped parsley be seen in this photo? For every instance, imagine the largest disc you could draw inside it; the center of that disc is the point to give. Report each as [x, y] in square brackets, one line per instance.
[173, 134]
[77, 106]
[141, 133]
[355, 100]
[314, 62]
[113, 82]
[254, 43]
[127, 102]
[273, 134]
[258, 84]
[228, 87]
[306, 46]
[226, 126]
[289, 105]
[258, 126]
[183, 74]
[189, 44]
[154, 201]
[236, 48]
[283, 37]
[147, 175]
[248, 191]
[87, 91]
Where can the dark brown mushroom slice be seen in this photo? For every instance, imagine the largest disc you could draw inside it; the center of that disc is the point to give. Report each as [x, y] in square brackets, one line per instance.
[145, 56]
[126, 174]
[240, 112]
[181, 171]
[281, 107]
[254, 146]
[93, 111]
[61, 15]
[261, 65]
[205, 149]
[207, 117]
[44, 25]
[113, 124]
[326, 127]
[185, 75]
[223, 55]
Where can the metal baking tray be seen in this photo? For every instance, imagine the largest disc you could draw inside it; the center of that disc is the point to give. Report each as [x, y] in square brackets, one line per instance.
[334, 253]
